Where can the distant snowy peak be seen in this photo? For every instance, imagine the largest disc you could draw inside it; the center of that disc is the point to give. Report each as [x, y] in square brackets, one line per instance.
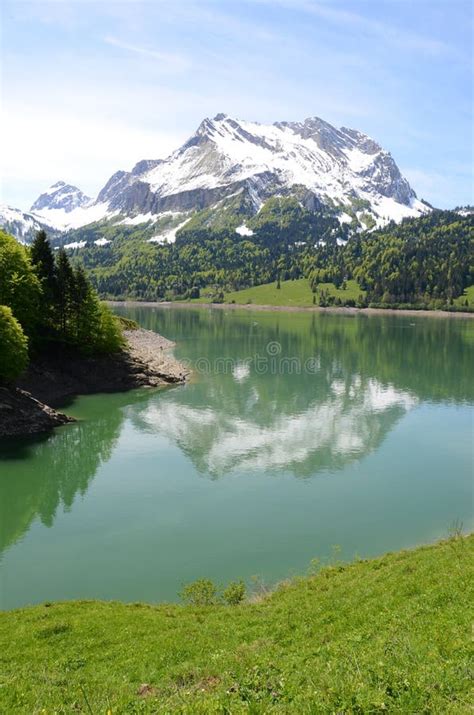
[61, 196]
[66, 207]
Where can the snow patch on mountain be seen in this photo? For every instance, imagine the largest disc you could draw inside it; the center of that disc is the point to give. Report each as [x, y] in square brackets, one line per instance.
[76, 244]
[344, 218]
[387, 209]
[137, 220]
[169, 236]
[63, 219]
[244, 230]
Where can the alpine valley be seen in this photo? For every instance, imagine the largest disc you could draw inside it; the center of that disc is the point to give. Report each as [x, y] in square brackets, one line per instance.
[241, 204]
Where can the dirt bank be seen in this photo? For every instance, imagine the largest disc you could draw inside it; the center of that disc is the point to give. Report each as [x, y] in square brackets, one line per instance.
[22, 415]
[54, 379]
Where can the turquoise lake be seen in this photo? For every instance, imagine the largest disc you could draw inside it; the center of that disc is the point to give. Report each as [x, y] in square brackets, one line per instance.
[298, 433]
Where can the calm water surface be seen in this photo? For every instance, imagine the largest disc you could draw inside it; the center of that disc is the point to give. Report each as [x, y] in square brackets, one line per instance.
[298, 432]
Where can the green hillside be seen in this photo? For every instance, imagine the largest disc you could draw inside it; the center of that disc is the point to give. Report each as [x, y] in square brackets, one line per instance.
[292, 293]
[387, 635]
[424, 262]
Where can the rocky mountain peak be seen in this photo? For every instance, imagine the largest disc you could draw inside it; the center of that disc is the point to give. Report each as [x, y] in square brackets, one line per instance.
[61, 196]
[341, 169]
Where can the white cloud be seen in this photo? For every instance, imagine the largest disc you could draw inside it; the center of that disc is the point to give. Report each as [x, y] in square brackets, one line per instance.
[388, 33]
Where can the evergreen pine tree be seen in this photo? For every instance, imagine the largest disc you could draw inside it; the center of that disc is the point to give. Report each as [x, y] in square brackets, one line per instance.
[43, 262]
[64, 293]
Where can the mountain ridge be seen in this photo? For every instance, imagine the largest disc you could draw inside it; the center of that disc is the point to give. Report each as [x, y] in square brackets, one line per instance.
[341, 169]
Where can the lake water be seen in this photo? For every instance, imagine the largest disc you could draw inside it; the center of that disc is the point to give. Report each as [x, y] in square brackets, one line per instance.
[298, 432]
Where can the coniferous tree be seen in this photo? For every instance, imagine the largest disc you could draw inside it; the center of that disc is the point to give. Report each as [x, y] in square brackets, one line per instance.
[42, 259]
[64, 292]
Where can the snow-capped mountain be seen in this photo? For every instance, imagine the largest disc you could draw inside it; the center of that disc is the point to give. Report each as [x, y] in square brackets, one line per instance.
[65, 206]
[226, 156]
[22, 225]
[61, 196]
[342, 169]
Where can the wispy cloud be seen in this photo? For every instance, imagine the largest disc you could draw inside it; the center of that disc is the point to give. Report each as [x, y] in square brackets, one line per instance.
[91, 86]
[168, 62]
[389, 33]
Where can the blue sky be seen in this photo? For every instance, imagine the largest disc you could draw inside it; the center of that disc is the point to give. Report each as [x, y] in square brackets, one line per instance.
[92, 87]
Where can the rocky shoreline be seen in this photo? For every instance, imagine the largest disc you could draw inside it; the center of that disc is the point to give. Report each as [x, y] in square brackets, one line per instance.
[55, 379]
[22, 415]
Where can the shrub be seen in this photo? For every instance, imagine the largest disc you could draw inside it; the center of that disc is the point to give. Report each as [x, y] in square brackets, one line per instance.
[234, 593]
[200, 593]
[13, 346]
[19, 286]
[109, 338]
[127, 323]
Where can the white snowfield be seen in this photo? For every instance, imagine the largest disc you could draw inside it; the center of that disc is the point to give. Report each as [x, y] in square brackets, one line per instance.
[339, 166]
[76, 244]
[81, 216]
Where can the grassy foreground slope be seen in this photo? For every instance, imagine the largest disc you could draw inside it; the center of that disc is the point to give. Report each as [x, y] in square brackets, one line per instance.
[390, 634]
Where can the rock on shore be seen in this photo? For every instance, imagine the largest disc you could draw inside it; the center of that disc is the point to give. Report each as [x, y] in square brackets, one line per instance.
[57, 377]
[22, 415]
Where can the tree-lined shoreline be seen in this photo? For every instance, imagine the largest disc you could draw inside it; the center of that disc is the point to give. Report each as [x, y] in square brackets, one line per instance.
[59, 340]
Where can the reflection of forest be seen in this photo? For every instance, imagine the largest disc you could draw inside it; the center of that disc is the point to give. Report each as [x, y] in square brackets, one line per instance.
[65, 463]
[430, 357]
[370, 372]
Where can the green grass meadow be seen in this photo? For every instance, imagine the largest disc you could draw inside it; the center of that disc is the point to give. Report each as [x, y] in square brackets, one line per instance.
[391, 634]
[291, 293]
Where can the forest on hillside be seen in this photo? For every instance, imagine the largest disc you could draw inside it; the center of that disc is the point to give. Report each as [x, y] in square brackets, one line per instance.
[426, 261]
